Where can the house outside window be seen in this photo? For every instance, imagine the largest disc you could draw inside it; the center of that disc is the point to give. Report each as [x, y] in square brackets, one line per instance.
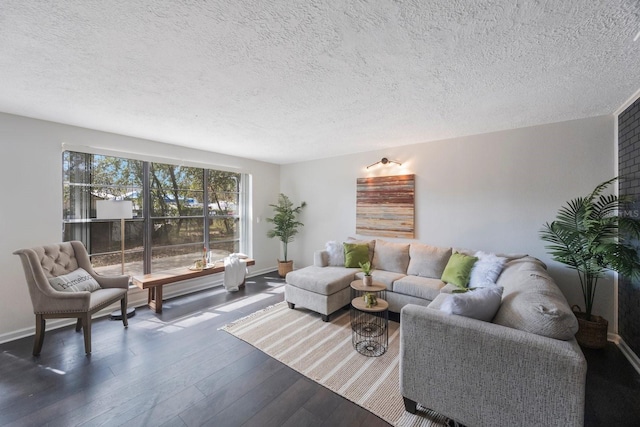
[177, 211]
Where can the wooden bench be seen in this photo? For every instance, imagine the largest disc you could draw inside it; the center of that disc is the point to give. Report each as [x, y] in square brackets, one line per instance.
[155, 281]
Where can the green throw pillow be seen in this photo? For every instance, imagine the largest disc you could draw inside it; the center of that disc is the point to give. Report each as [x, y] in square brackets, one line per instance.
[354, 254]
[458, 269]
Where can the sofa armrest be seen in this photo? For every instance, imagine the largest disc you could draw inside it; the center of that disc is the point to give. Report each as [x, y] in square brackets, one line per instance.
[321, 258]
[482, 374]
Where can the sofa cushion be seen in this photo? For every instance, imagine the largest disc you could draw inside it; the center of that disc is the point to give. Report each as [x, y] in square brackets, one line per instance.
[321, 258]
[539, 313]
[427, 261]
[516, 273]
[385, 277]
[321, 280]
[449, 288]
[420, 287]
[458, 269]
[390, 256]
[355, 254]
[508, 256]
[438, 300]
[481, 304]
[104, 296]
[533, 303]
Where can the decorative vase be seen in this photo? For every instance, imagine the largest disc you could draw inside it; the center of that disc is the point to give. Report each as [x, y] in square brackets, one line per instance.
[591, 333]
[367, 280]
[284, 267]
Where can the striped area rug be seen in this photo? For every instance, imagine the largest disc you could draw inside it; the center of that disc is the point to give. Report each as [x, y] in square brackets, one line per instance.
[322, 351]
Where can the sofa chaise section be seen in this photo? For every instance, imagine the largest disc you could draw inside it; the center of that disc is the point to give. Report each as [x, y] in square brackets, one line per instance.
[324, 290]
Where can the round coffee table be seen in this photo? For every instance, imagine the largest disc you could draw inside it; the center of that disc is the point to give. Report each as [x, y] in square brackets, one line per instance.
[369, 325]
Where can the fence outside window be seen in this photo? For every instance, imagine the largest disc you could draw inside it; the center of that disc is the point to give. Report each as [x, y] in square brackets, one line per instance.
[177, 211]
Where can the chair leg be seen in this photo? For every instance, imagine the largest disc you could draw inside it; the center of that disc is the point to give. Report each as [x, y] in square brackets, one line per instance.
[79, 324]
[123, 310]
[39, 338]
[86, 325]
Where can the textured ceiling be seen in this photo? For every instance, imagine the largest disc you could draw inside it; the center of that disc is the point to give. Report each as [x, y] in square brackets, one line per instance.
[287, 81]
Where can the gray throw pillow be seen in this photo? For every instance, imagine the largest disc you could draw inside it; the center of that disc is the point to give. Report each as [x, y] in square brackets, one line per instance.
[481, 304]
[390, 256]
[427, 261]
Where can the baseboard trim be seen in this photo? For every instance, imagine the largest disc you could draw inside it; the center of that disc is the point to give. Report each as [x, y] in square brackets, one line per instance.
[631, 356]
[137, 298]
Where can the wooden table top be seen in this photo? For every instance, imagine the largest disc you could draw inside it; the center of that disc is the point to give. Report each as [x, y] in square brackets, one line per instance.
[375, 286]
[178, 274]
[359, 304]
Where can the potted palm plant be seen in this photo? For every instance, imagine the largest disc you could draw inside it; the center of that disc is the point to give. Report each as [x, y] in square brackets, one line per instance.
[285, 228]
[591, 235]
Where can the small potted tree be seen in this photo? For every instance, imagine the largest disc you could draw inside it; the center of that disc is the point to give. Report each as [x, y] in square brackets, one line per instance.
[285, 228]
[590, 236]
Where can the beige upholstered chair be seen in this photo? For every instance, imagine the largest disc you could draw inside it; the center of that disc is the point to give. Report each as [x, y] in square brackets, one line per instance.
[45, 262]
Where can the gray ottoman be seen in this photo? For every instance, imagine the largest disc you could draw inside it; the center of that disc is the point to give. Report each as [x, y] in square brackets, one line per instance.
[324, 290]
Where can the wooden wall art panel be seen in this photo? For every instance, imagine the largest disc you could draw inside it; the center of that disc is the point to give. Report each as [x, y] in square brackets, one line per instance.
[385, 206]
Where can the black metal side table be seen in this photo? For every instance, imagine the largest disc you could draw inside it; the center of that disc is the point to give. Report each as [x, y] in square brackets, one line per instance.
[369, 323]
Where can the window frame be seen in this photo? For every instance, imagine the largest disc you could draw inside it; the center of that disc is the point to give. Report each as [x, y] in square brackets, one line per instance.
[239, 239]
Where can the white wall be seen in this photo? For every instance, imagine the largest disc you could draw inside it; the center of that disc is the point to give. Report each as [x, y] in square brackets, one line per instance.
[31, 210]
[491, 192]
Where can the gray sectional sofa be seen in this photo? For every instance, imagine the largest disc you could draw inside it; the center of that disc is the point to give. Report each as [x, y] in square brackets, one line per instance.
[411, 273]
[523, 368]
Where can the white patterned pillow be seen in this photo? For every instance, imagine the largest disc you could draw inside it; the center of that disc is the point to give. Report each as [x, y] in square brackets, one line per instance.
[486, 270]
[336, 253]
[76, 281]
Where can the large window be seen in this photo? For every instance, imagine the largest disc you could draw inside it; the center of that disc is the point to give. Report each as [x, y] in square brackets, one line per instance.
[177, 211]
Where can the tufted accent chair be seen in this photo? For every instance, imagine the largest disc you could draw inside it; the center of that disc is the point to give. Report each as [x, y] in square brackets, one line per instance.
[44, 262]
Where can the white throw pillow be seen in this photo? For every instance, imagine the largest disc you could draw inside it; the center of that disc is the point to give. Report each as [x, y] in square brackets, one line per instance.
[481, 304]
[336, 253]
[76, 281]
[486, 270]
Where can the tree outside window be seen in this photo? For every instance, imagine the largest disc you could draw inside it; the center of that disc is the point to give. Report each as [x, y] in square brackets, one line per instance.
[183, 214]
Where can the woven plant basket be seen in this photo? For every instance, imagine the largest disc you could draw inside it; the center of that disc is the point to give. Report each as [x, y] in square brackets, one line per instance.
[284, 267]
[591, 333]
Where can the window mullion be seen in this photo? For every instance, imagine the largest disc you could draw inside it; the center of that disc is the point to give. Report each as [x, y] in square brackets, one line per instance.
[205, 206]
[146, 214]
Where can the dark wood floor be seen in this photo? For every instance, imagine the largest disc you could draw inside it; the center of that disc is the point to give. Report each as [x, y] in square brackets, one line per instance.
[177, 369]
